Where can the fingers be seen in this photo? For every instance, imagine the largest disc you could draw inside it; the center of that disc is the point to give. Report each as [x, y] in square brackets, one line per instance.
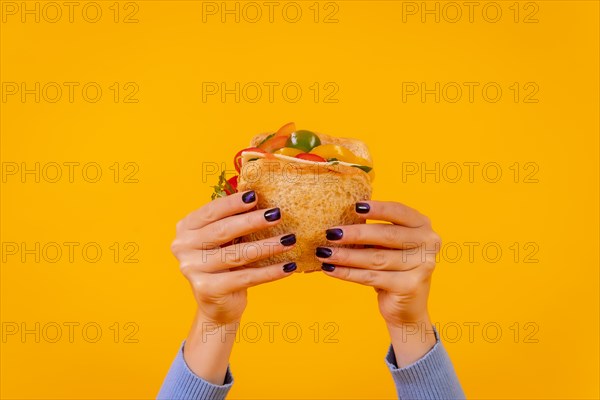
[215, 285]
[373, 259]
[406, 261]
[387, 235]
[365, 277]
[221, 259]
[393, 212]
[218, 209]
[229, 282]
[227, 229]
[384, 280]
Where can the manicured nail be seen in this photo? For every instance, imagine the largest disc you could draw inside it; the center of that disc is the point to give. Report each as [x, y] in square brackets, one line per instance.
[273, 214]
[288, 240]
[249, 197]
[334, 234]
[327, 267]
[362, 208]
[324, 252]
[289, 267]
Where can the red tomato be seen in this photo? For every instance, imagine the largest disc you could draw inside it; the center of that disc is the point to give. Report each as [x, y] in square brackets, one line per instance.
[233, 182]
[310, 157]
[275, 143]
[237, 160]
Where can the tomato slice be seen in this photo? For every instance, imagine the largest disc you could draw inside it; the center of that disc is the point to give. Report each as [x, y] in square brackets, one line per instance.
[310, 157]
[286, 130]
[275, 143]
[233, 181]
[237, 160]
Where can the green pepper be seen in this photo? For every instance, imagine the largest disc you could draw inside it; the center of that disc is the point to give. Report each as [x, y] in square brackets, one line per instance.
[363, 167]
[303, 140]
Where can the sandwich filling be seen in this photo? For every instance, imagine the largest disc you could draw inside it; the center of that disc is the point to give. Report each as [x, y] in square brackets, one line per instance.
[301, 147]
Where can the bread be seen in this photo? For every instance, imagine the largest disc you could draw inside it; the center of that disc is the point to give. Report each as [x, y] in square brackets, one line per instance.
[312, 197]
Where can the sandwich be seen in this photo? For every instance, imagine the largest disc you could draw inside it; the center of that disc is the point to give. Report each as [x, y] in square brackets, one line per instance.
[315, 179]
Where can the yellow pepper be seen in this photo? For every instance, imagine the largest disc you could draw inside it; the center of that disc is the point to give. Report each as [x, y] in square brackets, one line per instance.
[288, 151]
[341, 153]
[328, 151]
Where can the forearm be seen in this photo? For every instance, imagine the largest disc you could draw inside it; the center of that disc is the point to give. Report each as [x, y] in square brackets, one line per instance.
[208, 348]
[411, 340]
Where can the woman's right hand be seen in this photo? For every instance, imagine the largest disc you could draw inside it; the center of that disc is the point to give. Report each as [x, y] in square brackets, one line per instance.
[219, 276]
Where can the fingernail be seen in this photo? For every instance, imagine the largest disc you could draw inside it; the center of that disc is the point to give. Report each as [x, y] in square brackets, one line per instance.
[334, 234]
[273, 214]
[288, 240]
[362, 208]
[327, 267]
[249, 197]
[289, 267]
[324, 252]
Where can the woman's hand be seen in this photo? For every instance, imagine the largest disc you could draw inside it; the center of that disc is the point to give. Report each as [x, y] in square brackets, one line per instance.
[218, 282]
[220, 274]
[399, 268]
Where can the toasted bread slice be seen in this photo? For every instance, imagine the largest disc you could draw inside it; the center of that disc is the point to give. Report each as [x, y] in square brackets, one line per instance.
[312, 196]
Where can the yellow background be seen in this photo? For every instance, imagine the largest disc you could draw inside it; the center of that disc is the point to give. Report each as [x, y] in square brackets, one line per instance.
[368, 53]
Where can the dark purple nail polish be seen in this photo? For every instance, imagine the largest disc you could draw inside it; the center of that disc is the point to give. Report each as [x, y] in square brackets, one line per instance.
[273, 214]
[249, 197]
[362, 208]
[327, 267]
[288, 240]
[289, 267]
[324, 252]
[334, 234]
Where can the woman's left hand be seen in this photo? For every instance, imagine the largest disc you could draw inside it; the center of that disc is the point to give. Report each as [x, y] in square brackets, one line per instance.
[398, 261]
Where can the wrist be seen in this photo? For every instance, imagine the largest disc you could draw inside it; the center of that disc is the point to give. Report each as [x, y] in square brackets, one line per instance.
[411, 332]
[420, 320]
[206, 330]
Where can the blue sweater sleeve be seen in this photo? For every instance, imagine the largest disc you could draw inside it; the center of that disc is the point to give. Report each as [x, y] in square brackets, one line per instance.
[431, 377]
[182, 383]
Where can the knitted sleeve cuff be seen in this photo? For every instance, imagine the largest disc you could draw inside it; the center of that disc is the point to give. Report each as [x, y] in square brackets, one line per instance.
[182, 383]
